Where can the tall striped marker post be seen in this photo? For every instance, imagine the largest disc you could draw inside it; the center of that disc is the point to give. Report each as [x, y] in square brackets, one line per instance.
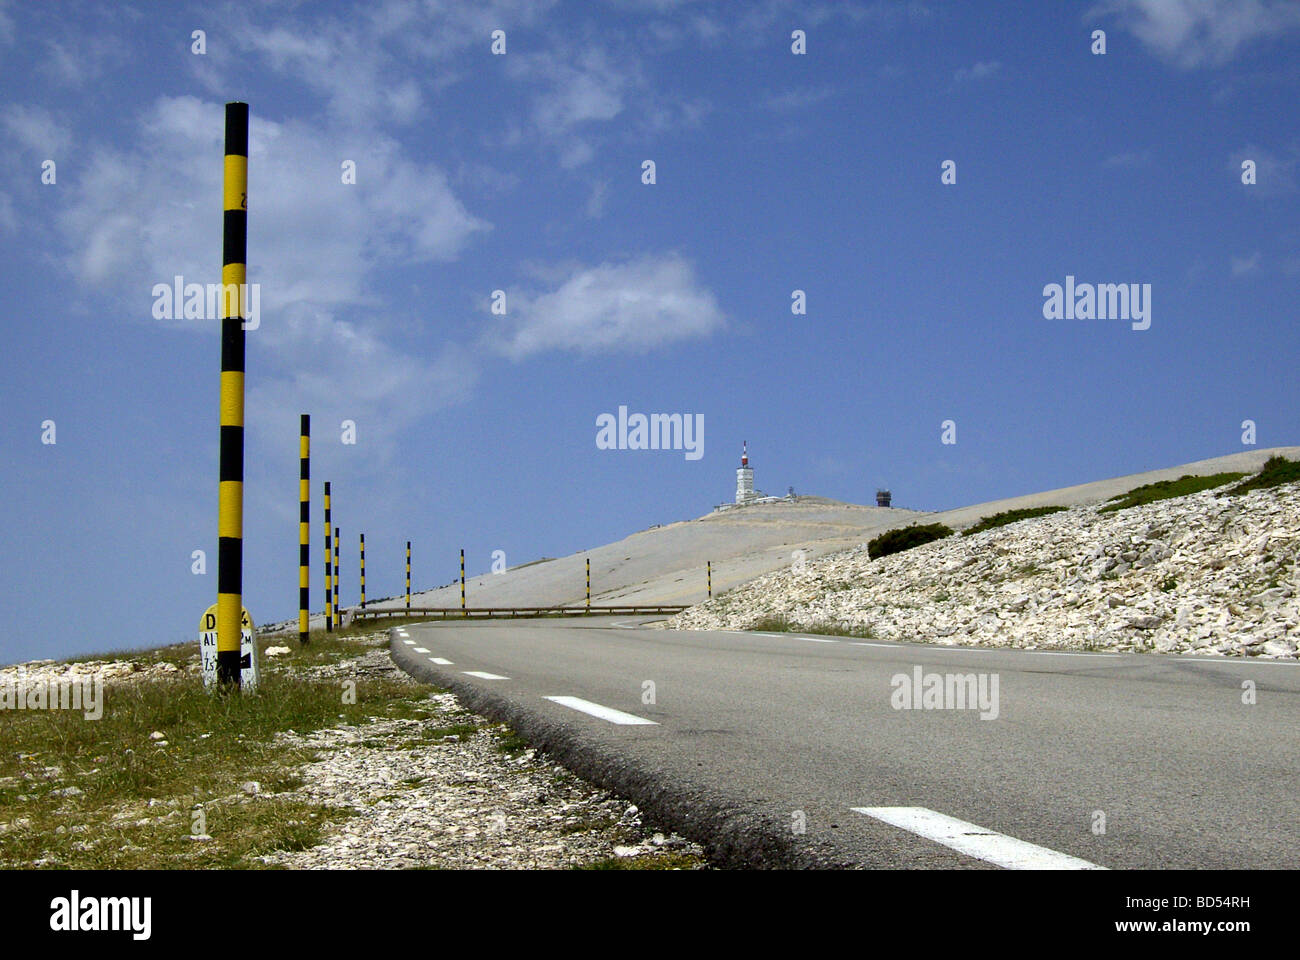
[337, 582]
[589, 584]
[408, 574]
[230, 494]
[329, 580]
[710, 568]
[304, 525]
[463, 612]
[363, 571]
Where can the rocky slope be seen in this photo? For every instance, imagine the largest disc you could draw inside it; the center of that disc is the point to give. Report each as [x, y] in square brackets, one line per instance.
[1200, 574]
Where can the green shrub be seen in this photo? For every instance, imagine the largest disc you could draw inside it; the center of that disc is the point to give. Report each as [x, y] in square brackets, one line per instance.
[905, 538]
[1167, 489]
[1276, 471]
[1009, 516]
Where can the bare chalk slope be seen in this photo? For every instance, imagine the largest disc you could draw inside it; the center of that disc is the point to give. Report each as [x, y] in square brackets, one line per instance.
[667, 564]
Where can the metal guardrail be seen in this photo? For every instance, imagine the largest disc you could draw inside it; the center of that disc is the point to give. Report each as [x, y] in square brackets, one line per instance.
[513, 613]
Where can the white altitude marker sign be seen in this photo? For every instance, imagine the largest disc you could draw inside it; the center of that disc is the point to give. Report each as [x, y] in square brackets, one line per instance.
[208, 648]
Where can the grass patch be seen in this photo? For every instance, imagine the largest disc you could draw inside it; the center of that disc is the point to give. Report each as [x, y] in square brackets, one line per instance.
[1009, 516]
[461, 730]
[905, 538]
[648, 861]
[137, 803]
[1276, 471]
[509, 742]
[777, 624]
[1168, 489]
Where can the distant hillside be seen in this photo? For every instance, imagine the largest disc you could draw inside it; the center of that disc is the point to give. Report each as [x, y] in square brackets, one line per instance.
[1205, 573]
[666, 564]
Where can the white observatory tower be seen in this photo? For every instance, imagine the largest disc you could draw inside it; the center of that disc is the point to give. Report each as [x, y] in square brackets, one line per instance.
[744, 477]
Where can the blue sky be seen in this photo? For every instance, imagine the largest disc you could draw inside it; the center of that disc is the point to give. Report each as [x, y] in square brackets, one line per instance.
[522, 172]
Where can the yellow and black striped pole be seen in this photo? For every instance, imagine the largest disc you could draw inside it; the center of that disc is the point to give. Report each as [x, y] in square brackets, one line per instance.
[329, 580]
[230, 495]
[408, 574]
[337, 582]
[363, 571]
[710, 563]
[462, 583]
[304, 525]
[589, 583]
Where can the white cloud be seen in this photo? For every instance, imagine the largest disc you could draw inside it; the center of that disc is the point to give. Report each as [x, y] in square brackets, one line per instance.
[1244, 265]
[34, 129]
[139, 218]
[311, 360]
[1196, 33]
[1130, 159]
[8, 219]
[979, 71]
[1274, 174]
[757, 20]
[375, 63]
[356, 78]
[146, 216]
[624, 307]
[579, 85]
[798, 98]
[597, 200]
[591, 89]
[77, 59]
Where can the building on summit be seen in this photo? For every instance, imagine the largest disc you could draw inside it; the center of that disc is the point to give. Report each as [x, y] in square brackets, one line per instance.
[745, 478]
[745, 492]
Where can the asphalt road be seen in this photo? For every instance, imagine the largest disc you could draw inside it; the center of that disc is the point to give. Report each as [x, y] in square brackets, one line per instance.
[765, 747]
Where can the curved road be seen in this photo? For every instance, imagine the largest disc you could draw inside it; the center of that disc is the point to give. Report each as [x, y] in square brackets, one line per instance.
[793, 750]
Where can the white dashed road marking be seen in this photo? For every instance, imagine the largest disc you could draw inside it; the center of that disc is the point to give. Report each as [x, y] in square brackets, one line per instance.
[421, 650]
[484, 676]
[408, 642]
[975, 841]
[440, 661]
[604, 713]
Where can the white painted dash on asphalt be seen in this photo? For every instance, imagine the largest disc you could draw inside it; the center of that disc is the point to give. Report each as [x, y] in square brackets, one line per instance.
[408, 642]
[864, 643]
[440, 661]
[604, 713]
[975, 841]
[421, 650]
[484, 676]
[812, 639]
